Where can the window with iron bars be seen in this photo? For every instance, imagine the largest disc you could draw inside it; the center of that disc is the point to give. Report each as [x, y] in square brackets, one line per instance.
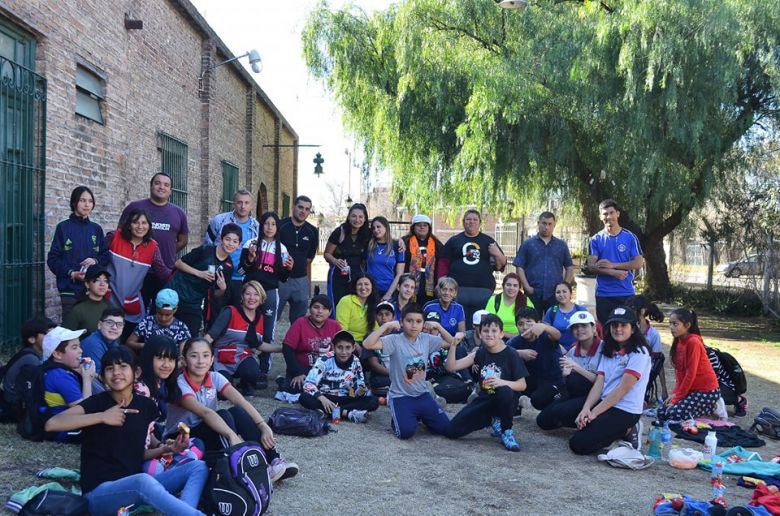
[229, 184]
[173, 161]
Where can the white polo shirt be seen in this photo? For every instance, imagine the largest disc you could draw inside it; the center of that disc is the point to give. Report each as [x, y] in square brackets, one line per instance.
[613, 368]
[207, 395]
[591, 359]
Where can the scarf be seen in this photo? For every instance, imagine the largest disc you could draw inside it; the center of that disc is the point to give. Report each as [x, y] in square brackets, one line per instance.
[416, 263]
[251, 331]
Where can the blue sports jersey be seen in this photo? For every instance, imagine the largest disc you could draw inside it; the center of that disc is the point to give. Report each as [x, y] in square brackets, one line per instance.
[619, 248]
[450, 317]
[381, 266]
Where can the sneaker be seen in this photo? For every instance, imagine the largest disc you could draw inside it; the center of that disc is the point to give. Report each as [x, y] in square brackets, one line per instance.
[280, 381]
[262, 382]
[495, 427]
[508, 440]
[290, 469]
[741, 410]
[358, 416]
[276, 469]
[720, 410]
[634, 436]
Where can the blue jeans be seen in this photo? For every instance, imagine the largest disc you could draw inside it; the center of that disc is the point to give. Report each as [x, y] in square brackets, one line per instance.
[144, 489]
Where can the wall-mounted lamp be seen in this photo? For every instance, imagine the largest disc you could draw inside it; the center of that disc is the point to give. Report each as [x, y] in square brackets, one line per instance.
[254, 61]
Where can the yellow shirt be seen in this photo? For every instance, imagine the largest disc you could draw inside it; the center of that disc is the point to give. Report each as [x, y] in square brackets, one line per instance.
[351, 314]
[506, 312]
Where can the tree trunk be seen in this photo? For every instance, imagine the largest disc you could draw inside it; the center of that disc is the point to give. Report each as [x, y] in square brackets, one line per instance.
[710, 263]
[659, 288]
[769, 260]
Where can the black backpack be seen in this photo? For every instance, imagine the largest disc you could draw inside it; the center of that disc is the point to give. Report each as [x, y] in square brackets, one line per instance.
[55, 503]
[300, 422]
[34, 411]
[732, 369]
[452, 388]
[239, 481]
[11, 412]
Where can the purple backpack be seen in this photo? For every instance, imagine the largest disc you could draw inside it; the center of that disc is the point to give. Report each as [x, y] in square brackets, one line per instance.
[239, 483]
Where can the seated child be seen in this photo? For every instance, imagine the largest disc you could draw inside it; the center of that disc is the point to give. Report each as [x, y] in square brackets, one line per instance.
[197, 407]
[308, 339]
[579, 366]
[451, 313]
[67, 380]
[24, 362]
[502, 373]
[87, 312]
[376, 362]
[162, 322]
[538, 346]
[109, 329]
[115, 424]
[409, 398]
[471, 339]
[336, 383]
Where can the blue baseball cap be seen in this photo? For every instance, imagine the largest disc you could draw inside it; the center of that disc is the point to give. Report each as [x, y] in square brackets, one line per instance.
[167, 298]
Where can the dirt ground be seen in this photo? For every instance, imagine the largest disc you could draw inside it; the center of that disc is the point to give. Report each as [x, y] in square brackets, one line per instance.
[364, 468]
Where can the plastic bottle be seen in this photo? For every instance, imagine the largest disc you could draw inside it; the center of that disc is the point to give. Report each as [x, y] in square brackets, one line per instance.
[716, 479]
[335, 415]
[654, 440]
[710, 445]
[666, 441]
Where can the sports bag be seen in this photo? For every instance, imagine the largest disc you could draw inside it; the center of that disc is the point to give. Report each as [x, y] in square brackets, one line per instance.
[300, 422]
[732, 369]
[52, 502]
[452, 389]
[238, 483]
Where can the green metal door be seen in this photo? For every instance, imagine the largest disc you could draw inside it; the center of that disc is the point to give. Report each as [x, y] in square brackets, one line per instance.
[22, 153]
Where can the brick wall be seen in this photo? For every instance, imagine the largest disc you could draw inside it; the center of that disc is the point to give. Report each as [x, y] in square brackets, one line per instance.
[151, 85]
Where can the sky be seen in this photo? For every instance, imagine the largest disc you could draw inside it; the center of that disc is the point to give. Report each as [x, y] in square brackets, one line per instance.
[273, 28]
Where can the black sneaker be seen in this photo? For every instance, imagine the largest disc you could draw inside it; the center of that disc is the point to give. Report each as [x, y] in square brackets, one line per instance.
[634, 436]
[262, 381]
[741, 410]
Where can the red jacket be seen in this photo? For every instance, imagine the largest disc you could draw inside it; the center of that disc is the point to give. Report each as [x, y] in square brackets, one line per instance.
[692, 368]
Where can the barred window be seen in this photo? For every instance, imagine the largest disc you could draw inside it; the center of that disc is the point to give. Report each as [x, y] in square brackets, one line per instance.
[229, 184]
[173, 161]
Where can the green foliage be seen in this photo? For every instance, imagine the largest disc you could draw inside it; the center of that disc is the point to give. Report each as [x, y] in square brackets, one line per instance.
[471, 104]
[722, 301]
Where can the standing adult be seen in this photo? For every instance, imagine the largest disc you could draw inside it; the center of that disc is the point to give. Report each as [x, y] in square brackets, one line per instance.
[473, 257]
[242, 217]
[543, 261]
[346, 252]
[301, 240]
[78, 243]
[169, 223]
[423, 258]
[615, 254]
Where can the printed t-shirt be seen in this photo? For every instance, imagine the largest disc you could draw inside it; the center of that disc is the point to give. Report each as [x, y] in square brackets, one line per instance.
[149, 327]
[329, 377]
[470, 263]
[505, 364]
[309, 342]
[408, 362]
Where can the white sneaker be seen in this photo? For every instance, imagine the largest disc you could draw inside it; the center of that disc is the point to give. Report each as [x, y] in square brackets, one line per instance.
[720, 410]
[279, 469]
[358, 416]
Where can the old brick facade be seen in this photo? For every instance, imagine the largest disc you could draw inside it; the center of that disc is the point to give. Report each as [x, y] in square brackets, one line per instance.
[150, 79]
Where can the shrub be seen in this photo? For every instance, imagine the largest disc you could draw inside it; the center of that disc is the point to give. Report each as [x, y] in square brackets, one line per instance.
[723, 301]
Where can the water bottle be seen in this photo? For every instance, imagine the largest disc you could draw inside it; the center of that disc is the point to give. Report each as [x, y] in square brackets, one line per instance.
[654, 440]
[666, 441]
[335, 415]
[710, 445]
[716, 479]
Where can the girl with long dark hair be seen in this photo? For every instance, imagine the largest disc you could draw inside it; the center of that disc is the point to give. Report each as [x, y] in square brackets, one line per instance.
[346, 252]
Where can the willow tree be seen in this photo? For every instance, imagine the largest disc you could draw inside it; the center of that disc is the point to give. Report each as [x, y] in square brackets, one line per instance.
[634, 100]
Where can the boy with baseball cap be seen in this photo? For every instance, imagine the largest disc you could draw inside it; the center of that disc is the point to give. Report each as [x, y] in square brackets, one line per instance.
[87, 312]
[163, 322]
[66, 379]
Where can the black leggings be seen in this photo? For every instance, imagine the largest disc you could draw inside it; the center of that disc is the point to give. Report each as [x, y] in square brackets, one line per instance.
[240, 422]
[249, 372]
[541, 392]
[560, 413]
[479, 413]
[345, 403]
[602, 431]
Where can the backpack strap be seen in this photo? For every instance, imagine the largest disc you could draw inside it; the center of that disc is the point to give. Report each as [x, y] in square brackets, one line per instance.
[497, 302]
[14, 359]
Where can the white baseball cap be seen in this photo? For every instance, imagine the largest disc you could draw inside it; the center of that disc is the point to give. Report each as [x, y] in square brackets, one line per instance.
[421, 218]
[476, 319]
[56, 336]
[581, 317]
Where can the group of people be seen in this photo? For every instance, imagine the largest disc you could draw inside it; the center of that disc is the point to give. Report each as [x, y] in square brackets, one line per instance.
[150, 341]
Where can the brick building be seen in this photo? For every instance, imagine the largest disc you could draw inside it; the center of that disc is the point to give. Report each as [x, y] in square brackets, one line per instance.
[104, 94]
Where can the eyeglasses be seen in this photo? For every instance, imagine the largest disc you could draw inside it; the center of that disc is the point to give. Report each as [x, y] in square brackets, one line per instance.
[113, 324]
